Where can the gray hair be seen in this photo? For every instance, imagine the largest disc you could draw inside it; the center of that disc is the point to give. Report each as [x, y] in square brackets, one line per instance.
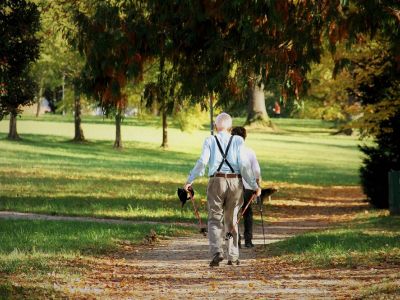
[223, 121]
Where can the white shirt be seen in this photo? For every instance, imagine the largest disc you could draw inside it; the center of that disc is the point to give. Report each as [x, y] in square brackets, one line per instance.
[255, 166]
[237, 157]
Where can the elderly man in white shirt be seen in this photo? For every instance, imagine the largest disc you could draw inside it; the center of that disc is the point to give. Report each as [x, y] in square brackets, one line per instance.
[227, 163]
[248, 191]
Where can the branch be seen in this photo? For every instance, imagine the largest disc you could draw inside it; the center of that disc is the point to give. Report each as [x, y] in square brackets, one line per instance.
[394, 12]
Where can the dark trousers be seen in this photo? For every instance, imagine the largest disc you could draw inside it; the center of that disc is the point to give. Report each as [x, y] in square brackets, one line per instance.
[248, 216]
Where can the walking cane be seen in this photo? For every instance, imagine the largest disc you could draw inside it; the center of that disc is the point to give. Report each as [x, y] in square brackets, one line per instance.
[203, 230]
[262, 219]
[229, 234]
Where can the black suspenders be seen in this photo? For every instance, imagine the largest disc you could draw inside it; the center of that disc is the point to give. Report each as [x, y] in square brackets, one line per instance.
[224, 160]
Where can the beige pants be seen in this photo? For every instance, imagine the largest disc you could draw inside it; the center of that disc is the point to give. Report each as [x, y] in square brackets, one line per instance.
[224, 198]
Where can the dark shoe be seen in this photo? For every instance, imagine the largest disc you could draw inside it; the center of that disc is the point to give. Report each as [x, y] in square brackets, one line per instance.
[216, 260]
[234, 262]
[248, 244]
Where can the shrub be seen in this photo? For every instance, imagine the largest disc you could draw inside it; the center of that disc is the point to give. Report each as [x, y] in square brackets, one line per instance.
[379, 160]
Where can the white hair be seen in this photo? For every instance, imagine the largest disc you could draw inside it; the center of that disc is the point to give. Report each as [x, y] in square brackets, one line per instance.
[223, 121]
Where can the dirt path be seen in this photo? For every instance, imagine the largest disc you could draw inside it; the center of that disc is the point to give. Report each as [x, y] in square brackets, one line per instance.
[178, 268]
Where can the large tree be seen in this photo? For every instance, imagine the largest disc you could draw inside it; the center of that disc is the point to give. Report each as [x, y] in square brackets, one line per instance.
[113, 39]
[376, 86]
[219, 45]
[19, 47]
[59, 65]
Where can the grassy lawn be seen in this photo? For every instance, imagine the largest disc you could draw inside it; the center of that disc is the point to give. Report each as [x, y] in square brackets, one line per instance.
[366, 242]
[46, 173]
[27, 244]
[31, 251]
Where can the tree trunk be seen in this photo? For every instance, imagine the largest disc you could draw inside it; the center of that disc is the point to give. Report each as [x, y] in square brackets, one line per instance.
[39, 100]
[164, 129]
[79, 137]
[13, 134]
[118, 140]
[256, 111]
[212, 114]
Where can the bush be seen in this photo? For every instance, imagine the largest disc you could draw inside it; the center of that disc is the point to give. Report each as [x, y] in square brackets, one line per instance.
[379, 160]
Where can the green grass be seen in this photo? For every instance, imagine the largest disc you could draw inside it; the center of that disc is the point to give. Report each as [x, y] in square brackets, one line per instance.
[27, 244]
[370, 241]
[45, 173]
[386, 289]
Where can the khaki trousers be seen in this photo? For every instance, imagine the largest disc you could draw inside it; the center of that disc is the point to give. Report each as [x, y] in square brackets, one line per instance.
[224, 199]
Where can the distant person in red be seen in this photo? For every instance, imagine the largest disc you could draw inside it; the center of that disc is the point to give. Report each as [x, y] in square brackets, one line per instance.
[277, 109]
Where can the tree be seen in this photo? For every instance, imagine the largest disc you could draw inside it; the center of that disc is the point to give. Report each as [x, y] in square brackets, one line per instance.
[112, 38]
[163, 92]
[19, 47]
[376, 86]
[256, 109]
[59, 65]
[220, 44]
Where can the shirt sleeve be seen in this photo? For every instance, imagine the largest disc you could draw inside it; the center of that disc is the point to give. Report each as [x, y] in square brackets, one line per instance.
[201, 164]
[245, 168]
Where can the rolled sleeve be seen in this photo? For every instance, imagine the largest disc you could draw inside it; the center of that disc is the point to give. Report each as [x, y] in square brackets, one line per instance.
[201, 164]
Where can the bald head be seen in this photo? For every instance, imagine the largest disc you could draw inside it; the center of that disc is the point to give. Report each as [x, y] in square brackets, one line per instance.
[223, 122]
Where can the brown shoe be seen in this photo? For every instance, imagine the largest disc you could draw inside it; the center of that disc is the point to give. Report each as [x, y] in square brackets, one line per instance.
[216, 260]
[234, 262]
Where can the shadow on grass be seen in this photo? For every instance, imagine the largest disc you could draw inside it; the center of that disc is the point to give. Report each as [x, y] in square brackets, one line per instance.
[148, 158]
[133, 209]
[9, 290]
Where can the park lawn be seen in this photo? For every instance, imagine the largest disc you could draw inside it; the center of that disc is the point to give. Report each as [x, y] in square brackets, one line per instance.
[45, 173]
[370, 239]
[30, 250]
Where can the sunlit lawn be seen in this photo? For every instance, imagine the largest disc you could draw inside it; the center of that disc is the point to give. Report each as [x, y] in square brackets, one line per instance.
[367, 241]
[45, 173]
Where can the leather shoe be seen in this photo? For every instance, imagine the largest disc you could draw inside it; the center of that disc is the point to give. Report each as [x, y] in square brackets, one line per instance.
[248, 244]
[233, 262]
[216, 260]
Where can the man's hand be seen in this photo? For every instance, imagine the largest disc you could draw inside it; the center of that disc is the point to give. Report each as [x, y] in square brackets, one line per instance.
[258, 192]
[187, 185]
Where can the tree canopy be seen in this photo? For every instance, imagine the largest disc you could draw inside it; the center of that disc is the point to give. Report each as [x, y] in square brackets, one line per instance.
[19, 46]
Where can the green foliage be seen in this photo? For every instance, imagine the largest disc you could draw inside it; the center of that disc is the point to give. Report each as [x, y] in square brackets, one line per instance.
[191, 118]
[112, 37]
[379, 160]
[58, 64]
[19, 46]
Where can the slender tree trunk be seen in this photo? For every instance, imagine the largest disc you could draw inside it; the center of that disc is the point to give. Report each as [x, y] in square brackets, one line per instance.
[164, 129]
[79, 137]
[39, 99]
[163, 96]
[13, 134]
[212, 114]
[118, 140]
[256, 111]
